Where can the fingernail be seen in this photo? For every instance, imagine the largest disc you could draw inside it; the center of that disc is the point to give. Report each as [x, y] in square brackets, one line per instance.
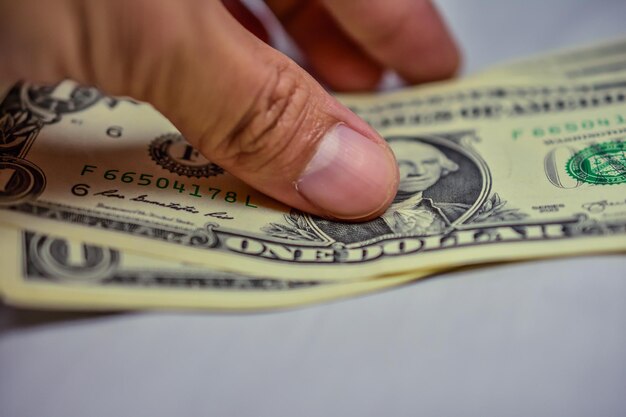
[350, 176]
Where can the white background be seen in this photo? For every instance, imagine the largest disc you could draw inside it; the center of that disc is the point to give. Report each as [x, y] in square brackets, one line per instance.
[536, 339]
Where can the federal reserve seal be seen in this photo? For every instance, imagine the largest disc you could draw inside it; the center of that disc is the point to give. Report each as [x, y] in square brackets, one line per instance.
[603, 163]
[172, 152]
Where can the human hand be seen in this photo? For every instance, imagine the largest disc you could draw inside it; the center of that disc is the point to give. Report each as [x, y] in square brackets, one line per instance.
[241, 103]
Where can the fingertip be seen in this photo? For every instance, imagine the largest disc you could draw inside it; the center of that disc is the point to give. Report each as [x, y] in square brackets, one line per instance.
[350, 177]
[408, 36]
[437, 60]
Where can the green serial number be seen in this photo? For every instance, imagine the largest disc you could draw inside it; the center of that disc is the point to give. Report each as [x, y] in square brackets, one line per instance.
[162, 183]
[568, 127]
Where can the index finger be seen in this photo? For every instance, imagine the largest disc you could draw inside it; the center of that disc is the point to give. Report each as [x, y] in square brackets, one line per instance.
[408, 36]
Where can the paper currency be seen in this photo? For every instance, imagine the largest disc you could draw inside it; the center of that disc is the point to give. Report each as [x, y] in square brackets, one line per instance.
[44, 271]
[597, 62]
[491, 171]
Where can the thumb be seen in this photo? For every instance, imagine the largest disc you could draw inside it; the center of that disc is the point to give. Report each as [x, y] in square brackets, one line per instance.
[257, 114]
[241, 103]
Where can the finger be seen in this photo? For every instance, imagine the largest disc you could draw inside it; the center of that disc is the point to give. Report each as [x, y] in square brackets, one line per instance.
[281, 132]
[241, 103]
[333, 57]
[407, 35]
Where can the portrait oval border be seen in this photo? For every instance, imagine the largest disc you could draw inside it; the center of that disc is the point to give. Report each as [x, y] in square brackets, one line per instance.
[464, 146]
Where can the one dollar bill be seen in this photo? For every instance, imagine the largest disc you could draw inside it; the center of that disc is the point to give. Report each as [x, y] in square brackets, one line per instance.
[491, 171]
[46, 271]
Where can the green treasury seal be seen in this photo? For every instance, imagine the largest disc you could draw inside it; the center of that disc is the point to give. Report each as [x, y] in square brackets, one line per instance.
[603, 163]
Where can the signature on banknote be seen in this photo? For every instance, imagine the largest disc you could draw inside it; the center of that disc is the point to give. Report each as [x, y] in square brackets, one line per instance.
[145, 199]
[600, 206]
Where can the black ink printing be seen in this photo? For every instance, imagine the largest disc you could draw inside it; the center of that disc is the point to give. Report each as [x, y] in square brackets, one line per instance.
[111, 193]
[174, 206]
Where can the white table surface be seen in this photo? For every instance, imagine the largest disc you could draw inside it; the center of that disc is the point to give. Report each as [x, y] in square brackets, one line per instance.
[534, 339]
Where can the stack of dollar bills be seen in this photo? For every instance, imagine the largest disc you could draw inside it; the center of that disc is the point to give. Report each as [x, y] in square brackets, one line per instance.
[104, 205]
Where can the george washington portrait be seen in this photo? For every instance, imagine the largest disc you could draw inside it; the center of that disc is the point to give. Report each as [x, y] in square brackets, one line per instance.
[438, 185]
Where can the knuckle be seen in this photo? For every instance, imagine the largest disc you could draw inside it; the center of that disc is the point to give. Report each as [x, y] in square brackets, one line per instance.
[117, 44]
[280, 125]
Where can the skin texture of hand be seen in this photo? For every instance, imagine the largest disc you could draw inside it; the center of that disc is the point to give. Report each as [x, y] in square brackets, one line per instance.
[241, 103]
